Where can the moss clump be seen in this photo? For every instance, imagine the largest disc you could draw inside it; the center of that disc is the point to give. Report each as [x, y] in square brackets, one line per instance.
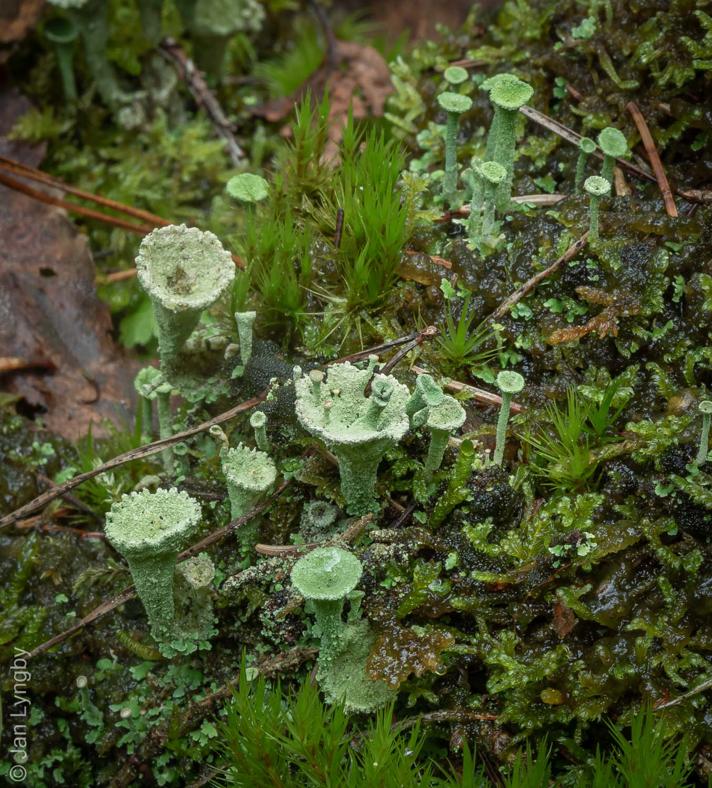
[184, 270]
[149, 530]
[359, 429]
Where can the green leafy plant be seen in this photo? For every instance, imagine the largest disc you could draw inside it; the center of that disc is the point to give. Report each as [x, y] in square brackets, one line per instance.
[464, 343]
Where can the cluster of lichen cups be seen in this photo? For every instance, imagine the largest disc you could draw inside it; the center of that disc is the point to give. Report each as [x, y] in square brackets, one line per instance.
[360, 428]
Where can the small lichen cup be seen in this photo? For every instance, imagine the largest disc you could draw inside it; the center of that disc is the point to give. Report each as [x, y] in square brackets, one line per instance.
[249, 473]
[325, 576]
[184, 270]
[508, 95]
[613, 144]
[357, 428]
[509, 383]
[443, 419]
[149, 529]
[596, 186]
[586, 147]
[454, 105]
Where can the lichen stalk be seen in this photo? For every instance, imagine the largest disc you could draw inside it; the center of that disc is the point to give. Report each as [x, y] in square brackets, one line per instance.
[436, 451]
[165, 428]
[703, 450]
[502, 422]
[450, 177]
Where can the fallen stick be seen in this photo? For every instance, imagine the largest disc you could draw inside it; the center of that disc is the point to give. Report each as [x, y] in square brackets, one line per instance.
[529, 285]
[147, 450]
[654, 157]
[354, 530]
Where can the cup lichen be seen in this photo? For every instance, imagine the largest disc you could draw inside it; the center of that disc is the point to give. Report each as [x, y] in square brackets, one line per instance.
[509, 383]
[507, 94]
[454, 105]
[613, 144]
[249, 473]
[357, 428]
[62, 32]
[149, 529]
[705, 408]
[586, 147]
[183, 270]
[443, 419]
[596, 186]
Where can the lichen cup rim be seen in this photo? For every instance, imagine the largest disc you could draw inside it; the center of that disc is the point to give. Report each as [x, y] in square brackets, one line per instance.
[454, 102]
[130, 531]
[510, 94]
[510, 382]
[455, 75]
[208, 281]
[612, 142]
[61, 30]
[705, 406]
[597, 186]
[492, 171]
[315, 576]
[587, 145]
[244, 474]
[448, 415]
[247, 187]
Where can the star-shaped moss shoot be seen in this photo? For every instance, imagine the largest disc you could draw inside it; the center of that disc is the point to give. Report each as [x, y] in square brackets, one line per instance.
[149, 530]
[357, 428]
[249, 473]
[596, 187]
[586, 147]
[443, 419]
[614, 145]
[507, 94]
[247, 188]
[184, 270]
[62, 32]
[455, 75]
[151, 384]
[705, 408]
[454, 105]
[325, 576]
[509, 383]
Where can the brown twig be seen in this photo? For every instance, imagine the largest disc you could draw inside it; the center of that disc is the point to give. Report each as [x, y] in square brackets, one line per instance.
[141, 452]
[16, 364]
[193, 78]
[30, 173]
[529, 285]
[350, 534]
[654, 157]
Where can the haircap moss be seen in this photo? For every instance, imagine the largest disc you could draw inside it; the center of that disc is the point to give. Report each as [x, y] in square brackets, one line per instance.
[248, 188]
[455, 75]
[327, 573]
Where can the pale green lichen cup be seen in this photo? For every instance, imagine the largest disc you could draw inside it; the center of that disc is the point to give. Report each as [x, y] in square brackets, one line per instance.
[183, 270]
[149, 530]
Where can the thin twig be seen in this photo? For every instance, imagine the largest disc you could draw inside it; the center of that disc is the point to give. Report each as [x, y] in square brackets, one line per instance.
[529, 285]
[704, 686]
[33, 174]
[654, 157]
[350, 534]
[141, 452]
[193, 78]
